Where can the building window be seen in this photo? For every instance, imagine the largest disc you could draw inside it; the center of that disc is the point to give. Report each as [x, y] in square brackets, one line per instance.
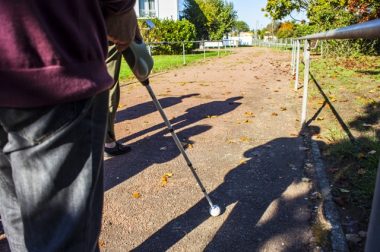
[147, 8]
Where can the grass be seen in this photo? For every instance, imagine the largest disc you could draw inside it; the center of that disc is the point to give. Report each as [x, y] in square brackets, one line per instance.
[167, 62]
[353, 86]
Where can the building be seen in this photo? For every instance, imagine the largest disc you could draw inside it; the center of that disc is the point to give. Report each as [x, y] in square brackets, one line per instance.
[162, 9]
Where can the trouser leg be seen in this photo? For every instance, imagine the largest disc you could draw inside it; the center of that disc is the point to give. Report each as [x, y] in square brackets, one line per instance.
[51, 175]
[113, 66]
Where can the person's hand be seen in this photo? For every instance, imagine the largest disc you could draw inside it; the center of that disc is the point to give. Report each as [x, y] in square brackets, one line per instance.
[122, 29]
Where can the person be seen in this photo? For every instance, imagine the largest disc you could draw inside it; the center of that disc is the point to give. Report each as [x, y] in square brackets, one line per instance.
[53, 112]
[115, 53]
[111, 146]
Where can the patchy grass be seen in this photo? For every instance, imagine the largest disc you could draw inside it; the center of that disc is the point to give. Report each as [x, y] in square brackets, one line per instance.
[167, 62]
[352, 86]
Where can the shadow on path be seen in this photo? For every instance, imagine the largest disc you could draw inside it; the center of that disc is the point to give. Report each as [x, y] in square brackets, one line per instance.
[147, 151]
[249, 189]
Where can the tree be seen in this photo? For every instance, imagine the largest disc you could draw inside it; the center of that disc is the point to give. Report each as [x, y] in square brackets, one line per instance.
[212, 18]
[286, 30]
[240, 26]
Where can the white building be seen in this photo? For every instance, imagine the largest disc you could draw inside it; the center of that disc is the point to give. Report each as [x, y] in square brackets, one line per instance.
[162, 9]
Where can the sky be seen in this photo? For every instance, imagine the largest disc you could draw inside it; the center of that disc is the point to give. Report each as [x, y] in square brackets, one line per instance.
[250, 12]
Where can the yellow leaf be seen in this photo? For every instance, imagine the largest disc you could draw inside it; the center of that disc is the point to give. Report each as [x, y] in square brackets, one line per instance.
[136, 195]
[168, 174]
[211, 116]
[243, 161]
[320, 118]
[249, 114]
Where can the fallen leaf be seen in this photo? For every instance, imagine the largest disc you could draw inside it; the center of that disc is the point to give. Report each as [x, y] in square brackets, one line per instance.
[245, 139]
[372, 152]
[344, 190]
[361, 171]
[249, 114]
[243, 161]
[211, 116]
[274, 114]
[320, 118]
[136, 195]
[283, 108]
[102, 243]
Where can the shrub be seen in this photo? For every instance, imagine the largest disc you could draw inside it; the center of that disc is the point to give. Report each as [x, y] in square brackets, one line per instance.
[169, 31]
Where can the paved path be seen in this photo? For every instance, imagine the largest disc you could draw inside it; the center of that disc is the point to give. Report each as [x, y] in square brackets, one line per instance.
[238, 115]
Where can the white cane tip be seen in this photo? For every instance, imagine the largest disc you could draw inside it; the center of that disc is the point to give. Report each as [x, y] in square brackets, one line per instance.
[215, 210]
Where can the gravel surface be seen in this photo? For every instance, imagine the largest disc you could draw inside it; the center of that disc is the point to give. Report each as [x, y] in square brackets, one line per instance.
[237, 116]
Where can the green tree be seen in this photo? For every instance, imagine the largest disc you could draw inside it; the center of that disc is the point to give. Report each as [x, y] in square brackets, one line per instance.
[212, 18]
[240, 26]
[169, 31]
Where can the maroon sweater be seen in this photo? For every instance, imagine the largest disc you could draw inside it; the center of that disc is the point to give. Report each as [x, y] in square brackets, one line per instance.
[53, 51]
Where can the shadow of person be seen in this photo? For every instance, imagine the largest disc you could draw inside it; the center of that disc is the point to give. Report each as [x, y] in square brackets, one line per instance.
[146, 152]
[145, 108]
[193, 115]
[263, 201]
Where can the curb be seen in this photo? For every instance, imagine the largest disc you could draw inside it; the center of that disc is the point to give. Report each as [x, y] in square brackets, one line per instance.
[337, 237]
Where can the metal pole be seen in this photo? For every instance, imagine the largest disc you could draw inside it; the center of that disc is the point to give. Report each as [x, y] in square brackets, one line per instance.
[373, 241]
[178, 143]
[184, 53]
[297, 65]
[294, 50]
[292, 63]
[204, 51]
[306, 81]
[219, 48]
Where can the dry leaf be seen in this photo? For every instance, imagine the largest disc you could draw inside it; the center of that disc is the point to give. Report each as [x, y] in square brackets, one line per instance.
[361, 171]
[164, 179]
[102, 243]
[211, 116]
[274, 114]
[249, 114]
[245, 139]
[243, 161]
[136, 195]
[283, 108]
[320, 118]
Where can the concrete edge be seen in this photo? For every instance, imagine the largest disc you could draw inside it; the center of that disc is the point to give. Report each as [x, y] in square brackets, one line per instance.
[337, 237]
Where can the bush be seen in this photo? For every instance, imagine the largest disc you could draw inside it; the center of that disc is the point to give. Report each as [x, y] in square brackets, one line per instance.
[169, 31]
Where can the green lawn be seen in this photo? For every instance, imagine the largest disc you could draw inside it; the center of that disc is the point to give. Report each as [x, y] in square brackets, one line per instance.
[352, 85]
[166, 62]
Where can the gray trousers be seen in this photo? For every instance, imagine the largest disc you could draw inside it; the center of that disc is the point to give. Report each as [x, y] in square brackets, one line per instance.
[51, 175]
[113, 67]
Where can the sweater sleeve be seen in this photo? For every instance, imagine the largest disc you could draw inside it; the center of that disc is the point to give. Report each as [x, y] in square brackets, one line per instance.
[116, 7]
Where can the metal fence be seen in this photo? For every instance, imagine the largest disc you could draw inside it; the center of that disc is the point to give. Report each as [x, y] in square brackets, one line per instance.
[367, 30]
[201, 46]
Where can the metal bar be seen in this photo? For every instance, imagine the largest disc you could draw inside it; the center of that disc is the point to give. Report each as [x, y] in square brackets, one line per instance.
[178, 143]
[297, 65]
[306, 81]
[204, 51]
[368, 30]
[373, 241]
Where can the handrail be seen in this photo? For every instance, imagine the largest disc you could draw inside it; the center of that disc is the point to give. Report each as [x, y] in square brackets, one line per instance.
[367, 30]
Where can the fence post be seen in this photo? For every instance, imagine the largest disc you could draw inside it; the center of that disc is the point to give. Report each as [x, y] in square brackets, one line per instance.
[292, 63]
[218, 48]
[294, 51]
[184, 53]
[306, 81]
[297, 65]
[204, 51]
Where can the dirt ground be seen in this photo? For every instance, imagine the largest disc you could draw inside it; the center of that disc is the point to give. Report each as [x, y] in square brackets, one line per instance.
[238, 116]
